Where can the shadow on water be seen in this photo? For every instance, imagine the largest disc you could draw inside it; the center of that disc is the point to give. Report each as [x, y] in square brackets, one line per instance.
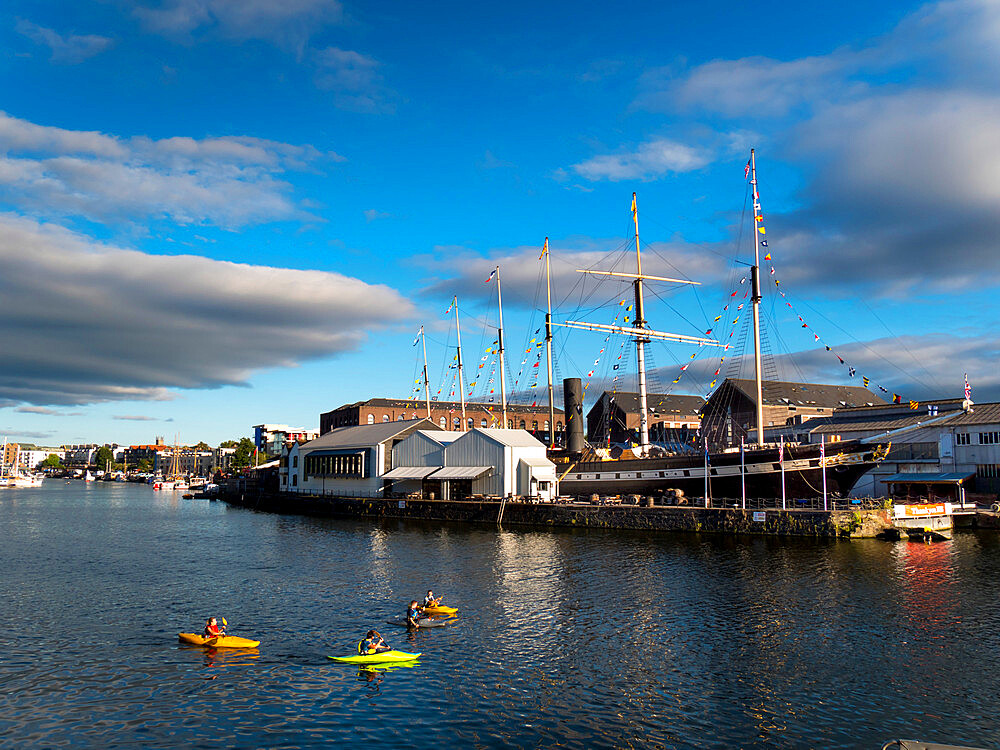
[577, 638]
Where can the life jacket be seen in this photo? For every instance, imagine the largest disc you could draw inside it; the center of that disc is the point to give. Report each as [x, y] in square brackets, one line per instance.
[361, 651]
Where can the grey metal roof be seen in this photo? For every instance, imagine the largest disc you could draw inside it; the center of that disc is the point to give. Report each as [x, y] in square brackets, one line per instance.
[784, 393]
[893, 416]
[410, 472]
[362, 436]
[659, 403]
[441, 436]
[942, 477]
[510, 438]
[461, 472]
[403, 403]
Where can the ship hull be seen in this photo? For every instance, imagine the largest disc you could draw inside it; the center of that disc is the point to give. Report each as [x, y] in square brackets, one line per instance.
[762, 473]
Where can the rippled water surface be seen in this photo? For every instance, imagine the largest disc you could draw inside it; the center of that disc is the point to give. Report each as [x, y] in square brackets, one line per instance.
[575, 639]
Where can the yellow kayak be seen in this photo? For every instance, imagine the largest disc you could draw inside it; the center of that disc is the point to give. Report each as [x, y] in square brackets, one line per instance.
[440, 610]
[219, 641]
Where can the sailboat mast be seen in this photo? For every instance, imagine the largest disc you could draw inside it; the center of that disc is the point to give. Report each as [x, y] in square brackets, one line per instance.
[756, 298]
[640, 341]
[427, 383]
[548, 343]
[461, 381]
[503, 376]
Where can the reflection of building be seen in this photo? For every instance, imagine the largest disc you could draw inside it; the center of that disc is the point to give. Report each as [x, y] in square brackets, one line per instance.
[447, 415]
[731, 411]
[271, 438]
[615, 417]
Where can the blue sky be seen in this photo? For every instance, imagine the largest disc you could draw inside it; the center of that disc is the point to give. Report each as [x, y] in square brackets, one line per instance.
[215, 213]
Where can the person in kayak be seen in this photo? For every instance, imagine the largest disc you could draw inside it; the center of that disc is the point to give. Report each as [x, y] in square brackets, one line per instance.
[413, 615]
[430, 600]
[212, 629]
[373, 644]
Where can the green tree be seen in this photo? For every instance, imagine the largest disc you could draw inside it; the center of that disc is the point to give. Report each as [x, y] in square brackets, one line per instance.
[228, 444]
[145, 465]
[202, 446]
[244, 453]
[103, 456]
[52, 462]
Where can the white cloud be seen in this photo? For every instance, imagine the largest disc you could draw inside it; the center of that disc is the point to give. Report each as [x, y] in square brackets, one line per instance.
[354, 79]
[226, 181]
[68, 48]
[289, 22]
[137, 418]
[109, 324]
[650, 160]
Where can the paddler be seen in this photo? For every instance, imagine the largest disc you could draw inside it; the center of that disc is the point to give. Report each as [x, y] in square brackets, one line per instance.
[413, 615]
[373, 644]
[212, 629]
[430, 600]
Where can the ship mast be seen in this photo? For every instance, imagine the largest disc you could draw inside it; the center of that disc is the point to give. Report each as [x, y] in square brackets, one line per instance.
[461, 381]
[548, 343]
[503, 380]
[643, 335]
[427, 384]
[756, 298]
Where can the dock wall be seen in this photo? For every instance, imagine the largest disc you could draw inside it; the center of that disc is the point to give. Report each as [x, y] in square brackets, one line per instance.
[801, 523]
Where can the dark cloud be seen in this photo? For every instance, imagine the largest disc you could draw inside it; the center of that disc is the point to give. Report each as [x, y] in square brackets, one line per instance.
[109, 324]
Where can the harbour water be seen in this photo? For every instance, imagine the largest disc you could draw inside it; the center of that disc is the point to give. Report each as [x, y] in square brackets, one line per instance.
[570, 638]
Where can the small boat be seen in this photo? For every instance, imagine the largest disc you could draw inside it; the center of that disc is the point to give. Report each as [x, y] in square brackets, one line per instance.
[163, 484]
[88, 477]
[425, 622]
[219, 641]
[384, 657]
[439, 610]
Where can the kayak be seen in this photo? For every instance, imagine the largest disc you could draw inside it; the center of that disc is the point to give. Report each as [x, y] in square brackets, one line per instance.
[219, 641]
[385, 656]
[424, 622]
[440, 610]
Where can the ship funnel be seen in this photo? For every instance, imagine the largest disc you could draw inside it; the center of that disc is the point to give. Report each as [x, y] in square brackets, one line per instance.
[573, 401]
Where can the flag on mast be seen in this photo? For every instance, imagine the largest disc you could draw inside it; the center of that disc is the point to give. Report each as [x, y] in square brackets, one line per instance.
[419, 333]
[633, 204]
[492, 274]
[746, 170]
[968, 388]
[454, 302]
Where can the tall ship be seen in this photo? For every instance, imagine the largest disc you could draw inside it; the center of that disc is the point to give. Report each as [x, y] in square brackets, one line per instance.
[702, 468]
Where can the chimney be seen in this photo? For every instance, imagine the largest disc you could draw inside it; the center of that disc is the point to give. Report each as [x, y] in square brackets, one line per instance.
[573, 402]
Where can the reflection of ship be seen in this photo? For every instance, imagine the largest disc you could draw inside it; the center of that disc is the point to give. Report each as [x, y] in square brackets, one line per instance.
[763, 470]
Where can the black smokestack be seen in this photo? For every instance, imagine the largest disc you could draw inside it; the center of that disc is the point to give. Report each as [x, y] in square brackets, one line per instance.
[573, 401]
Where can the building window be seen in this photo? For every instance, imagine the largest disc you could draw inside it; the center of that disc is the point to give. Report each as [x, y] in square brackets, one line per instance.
[295, 462]
[385, 417]
[472, 423]
[546, 425]
[510, 424]
[558, 426]
[371, 419]
[963, 438]
[522, 424]
[483, 423]
[989, 438]
[295, 480]
[988, 471]
[443, 422]
[456, 422]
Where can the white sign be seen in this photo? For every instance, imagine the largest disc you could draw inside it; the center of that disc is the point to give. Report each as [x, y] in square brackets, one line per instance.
[759, 515]
[402, 503]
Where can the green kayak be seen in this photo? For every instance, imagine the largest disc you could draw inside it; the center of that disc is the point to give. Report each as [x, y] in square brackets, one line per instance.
[380, 658]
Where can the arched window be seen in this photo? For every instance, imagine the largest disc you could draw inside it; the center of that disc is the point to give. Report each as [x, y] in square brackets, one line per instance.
[522, 424]
[482, 423]
[558, 426]
[546, 425]
[510, 424]
[401, 417]
[456, 422]
[371, 419]
[472, 423]
[295, 462]
[443, 422]
[385, 417]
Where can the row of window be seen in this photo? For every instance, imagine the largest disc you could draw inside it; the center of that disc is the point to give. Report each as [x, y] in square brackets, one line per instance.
[985, 438]
[335, 466]
[988, 471]
[471, 423]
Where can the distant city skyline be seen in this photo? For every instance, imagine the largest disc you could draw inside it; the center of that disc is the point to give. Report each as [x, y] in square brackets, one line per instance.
[215, 214]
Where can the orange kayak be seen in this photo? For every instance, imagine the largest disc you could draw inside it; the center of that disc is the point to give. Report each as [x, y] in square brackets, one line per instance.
[219, 641]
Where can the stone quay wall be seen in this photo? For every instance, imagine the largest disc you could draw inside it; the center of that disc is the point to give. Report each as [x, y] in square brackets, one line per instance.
[858, 524]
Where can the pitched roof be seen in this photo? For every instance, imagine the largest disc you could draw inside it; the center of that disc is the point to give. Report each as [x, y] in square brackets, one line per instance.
[658, 403]
[441, 436]
[510, 438]
[884, 417]
[360, 436]
[784, 393]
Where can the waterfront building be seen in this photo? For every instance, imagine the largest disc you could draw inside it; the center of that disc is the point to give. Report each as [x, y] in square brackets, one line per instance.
[222, 459]
[271, 438]
[447, 415]
[80, 454]
[480, 462]
[151, 453]
[346, 461]
[728, 415]
[615, 418]
[947, 439]
[30, 458]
